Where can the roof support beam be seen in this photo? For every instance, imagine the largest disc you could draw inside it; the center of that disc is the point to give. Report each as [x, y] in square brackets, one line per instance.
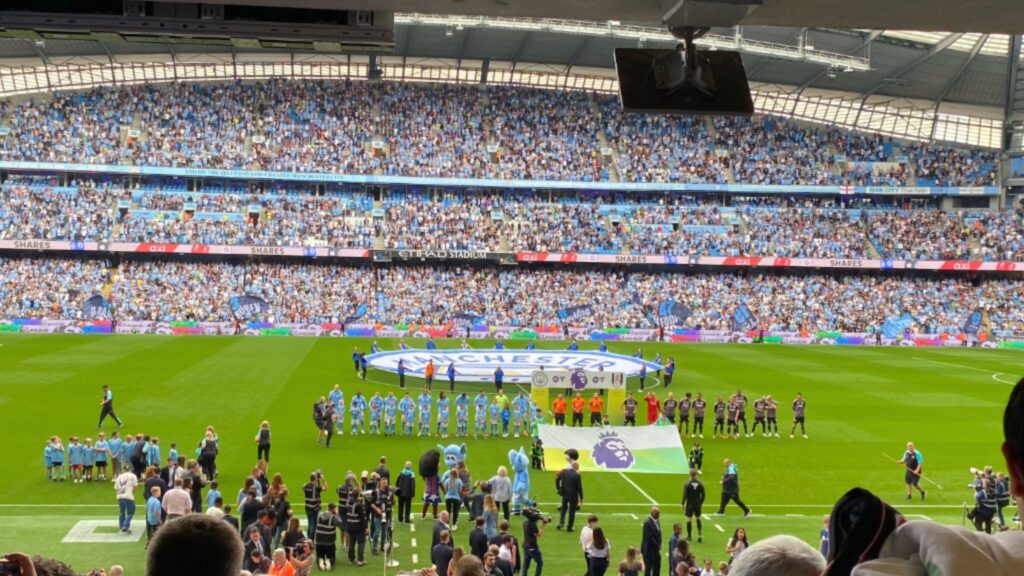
[864, 44]
[464, 41]
[765, 60]
[1011, 103]
[955, 79]
[575, 56]
[946, 42]
[521, 49]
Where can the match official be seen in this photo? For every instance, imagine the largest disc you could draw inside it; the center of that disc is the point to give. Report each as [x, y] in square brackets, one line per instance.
[693, 502]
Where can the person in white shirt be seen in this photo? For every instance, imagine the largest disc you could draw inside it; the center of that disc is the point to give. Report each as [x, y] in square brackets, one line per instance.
[177, 502]
[586, 538]
[929, 549]
[599, 553]
[125, 485]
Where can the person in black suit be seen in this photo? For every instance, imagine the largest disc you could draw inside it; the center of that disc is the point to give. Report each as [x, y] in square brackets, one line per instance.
[478, 539]
[441, 554]
[440, 526]
[570, 485]
[170, 472]
[650, 544]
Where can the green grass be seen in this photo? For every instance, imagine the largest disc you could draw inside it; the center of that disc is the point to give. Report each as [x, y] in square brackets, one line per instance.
[861, 402]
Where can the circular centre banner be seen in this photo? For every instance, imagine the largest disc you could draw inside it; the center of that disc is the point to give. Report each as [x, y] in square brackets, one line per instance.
[517, 365]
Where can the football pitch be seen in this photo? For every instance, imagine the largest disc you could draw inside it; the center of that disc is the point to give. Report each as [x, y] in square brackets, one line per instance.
[861, 403]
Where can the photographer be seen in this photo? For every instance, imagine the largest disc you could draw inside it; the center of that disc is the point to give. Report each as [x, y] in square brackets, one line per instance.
[327, 524]
[357, 528]
[312, 490]
[382, 510]
[533, 529]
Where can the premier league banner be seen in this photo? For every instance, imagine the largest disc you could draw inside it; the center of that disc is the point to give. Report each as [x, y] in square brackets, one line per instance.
[743, 319]
[574, 314]
[641, 449]
[579, 380]
[973, 323]
[97, 308]
[248, 307]
[672, 314]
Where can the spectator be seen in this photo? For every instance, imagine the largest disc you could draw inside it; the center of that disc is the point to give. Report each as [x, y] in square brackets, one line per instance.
[195, 545]
[779, 556]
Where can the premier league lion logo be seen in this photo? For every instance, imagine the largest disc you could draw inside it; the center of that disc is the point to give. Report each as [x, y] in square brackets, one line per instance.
[578, 378]
[612, 453]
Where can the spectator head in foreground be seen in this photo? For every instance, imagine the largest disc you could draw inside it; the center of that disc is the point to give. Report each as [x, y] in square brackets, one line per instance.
[469, 565]
[195, 545]
[779, 556]
[1013, 442]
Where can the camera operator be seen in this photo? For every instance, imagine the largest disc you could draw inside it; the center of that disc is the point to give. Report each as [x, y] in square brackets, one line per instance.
[355, 525]
[382, 510]
[533, 529]
[312, 490]
[1002, 489]
[984, 507]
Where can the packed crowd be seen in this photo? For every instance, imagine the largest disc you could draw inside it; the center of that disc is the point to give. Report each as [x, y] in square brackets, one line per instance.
[167, 291]
[444, 131]
[513, 221]
[302, 293]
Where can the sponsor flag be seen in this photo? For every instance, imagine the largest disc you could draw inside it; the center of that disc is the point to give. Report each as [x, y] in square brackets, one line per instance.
[895, 326]
[357, 314]
[743, 319]
[642, 449]
[973, 323]
[672, 314]
[574, 313]
[96, 308]
[247, 307]
[467, 318]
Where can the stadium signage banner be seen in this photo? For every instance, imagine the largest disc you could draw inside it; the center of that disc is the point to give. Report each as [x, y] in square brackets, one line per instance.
[578, 380]
[518, 365]
[641, 449]
[440, 254]
[482, 183]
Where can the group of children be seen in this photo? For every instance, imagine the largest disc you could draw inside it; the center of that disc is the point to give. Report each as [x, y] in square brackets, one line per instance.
[82, 457]
[495, 416]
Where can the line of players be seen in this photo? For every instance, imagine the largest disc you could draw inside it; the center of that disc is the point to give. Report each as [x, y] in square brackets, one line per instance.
[382, 415]
[728, 415]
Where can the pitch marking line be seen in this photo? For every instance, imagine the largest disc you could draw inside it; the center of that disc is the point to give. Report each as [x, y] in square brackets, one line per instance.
[84, 531]
[415, 559]
[639, 489]
[997, 378]
[921, 516]
[413, 542]
[962, 366]
[412, 527]
[720, 529]
[706, 517]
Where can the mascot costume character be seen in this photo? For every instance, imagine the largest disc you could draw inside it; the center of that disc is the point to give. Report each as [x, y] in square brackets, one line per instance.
[521, 484]
[452, 456]
[431, 489]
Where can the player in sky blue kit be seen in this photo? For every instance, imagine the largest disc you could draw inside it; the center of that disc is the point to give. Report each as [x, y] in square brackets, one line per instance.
[426, 403]
[494, 409]
[462, 415]
[443, 415]
[337, 401]
[480, 404]
[358, 410]
[76, 457]
[520, 414]
[374, 348]
[101, 450]
[408, 408]
[376, 409]
[390, 414]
